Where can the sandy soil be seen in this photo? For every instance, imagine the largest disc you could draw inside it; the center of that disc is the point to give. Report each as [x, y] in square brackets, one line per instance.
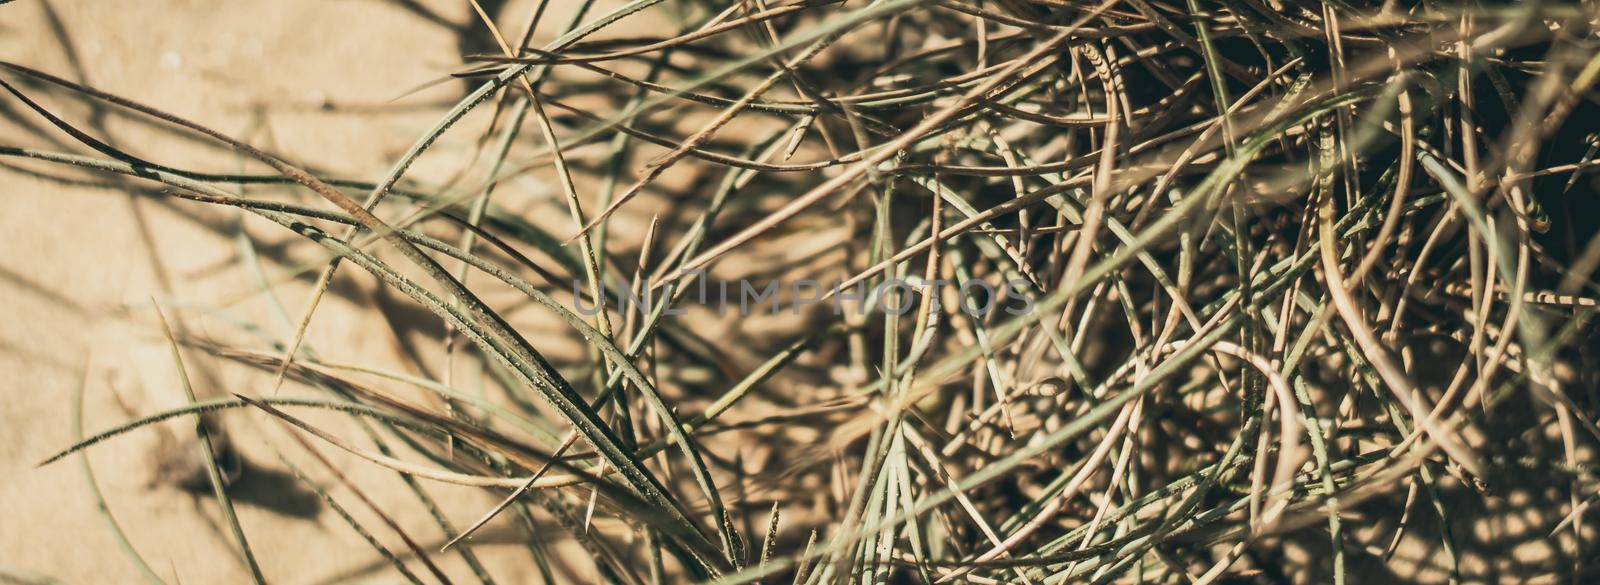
[80, 266]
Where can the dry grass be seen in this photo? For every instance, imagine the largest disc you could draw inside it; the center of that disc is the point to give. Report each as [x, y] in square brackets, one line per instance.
[1292, 292]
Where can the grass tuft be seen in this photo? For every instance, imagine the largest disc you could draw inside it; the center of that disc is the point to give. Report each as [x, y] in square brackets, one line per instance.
[1119, 292]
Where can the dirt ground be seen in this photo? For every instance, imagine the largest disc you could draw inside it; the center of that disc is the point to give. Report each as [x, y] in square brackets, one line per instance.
[80, 267]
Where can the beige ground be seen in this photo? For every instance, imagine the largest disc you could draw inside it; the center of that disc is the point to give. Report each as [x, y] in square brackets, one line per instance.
[77, 275]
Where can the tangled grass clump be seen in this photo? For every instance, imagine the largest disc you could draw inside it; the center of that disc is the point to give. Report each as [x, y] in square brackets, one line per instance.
[1302, 291]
